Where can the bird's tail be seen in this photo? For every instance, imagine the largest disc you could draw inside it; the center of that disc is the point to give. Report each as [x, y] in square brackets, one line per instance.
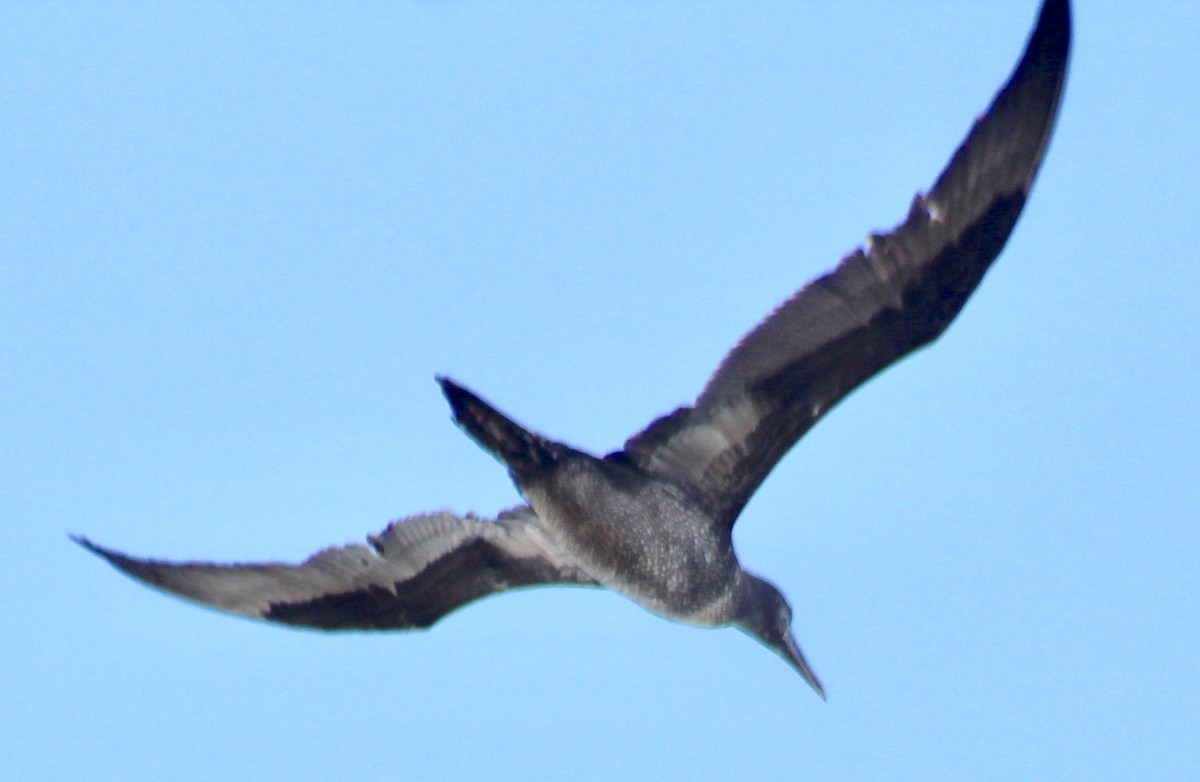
[522, 451]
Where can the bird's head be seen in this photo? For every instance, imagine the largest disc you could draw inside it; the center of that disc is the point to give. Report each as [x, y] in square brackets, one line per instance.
[764, 613]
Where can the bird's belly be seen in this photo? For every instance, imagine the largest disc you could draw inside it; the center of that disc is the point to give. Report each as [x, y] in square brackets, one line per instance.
[652, 546]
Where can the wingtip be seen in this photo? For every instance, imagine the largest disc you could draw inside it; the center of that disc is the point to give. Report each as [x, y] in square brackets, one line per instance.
[458, 397]
[84, 541]
[114, 558]
[1057, 10]
[1049, 47]
[1054, 24]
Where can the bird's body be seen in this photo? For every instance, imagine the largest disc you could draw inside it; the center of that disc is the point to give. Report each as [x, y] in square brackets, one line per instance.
[642, 537]
[654, 519]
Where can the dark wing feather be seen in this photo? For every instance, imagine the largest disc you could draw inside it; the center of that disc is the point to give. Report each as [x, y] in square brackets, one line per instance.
[875, 307]
[411, 575]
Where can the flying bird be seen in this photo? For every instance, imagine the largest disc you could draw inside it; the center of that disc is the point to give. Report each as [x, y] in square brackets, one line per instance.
[653, 521]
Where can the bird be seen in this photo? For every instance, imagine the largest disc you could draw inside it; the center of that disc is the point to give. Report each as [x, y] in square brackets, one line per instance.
[653, 520]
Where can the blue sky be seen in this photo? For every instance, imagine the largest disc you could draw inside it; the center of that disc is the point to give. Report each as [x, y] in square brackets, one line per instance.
[239, 240]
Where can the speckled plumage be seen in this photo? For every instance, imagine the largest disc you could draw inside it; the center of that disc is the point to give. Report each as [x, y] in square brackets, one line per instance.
[654, 520]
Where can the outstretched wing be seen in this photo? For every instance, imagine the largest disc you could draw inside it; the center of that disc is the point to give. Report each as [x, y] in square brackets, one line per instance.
[875, 307]
[411, 575]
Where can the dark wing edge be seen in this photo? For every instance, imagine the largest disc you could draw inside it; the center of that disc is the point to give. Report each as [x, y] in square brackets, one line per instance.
[876, 307]
[409, 576]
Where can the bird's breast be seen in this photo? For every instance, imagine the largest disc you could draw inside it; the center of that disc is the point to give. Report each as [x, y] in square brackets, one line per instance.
[639, 536]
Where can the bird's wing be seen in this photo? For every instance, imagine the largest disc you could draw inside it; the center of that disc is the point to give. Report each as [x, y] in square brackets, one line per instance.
[410, 575]
[877, 306]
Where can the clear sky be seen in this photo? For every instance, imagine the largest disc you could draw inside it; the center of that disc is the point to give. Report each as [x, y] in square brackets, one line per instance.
[238, 240]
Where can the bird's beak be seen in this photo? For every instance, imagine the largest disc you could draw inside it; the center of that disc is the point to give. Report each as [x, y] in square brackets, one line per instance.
[790, 651]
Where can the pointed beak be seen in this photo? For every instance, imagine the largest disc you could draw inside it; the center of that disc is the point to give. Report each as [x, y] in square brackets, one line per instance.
[790, 651]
